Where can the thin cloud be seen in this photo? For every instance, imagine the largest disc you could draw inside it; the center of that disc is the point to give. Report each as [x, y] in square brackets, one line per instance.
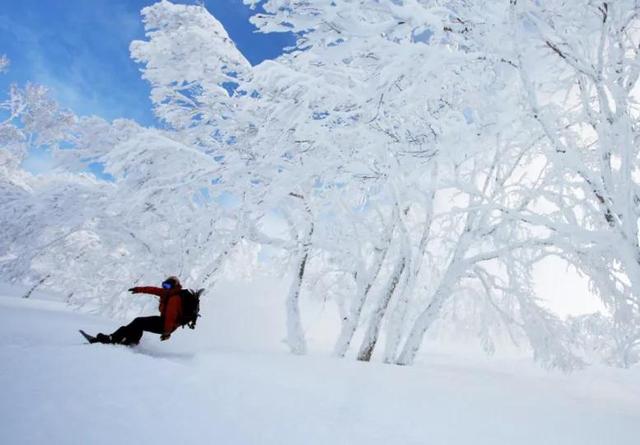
[87, 64]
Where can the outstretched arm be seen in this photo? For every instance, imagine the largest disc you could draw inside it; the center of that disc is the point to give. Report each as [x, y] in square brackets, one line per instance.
[148, 290]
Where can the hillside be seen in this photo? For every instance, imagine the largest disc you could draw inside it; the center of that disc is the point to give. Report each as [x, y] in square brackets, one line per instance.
[58, 390]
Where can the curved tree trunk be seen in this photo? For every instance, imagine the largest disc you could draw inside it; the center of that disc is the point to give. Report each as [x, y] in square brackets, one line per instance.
[371, 336]
[350, 323]
[429, 315]
[295, 334]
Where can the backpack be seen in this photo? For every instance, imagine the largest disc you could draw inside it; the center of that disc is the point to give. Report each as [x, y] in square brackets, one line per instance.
[190, 307]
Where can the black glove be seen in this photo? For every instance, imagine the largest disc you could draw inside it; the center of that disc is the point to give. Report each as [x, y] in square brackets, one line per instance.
[164, 337]
[132, 290]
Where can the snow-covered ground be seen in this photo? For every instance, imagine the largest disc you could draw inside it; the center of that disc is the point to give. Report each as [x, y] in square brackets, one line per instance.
[211, 386]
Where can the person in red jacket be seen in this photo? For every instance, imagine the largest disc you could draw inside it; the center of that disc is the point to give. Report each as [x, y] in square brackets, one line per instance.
[163, 324]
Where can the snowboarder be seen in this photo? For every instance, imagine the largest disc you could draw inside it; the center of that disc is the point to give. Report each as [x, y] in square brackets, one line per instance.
[164, 324]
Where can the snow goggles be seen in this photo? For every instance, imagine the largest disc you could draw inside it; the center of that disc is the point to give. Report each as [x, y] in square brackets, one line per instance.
[167, 285]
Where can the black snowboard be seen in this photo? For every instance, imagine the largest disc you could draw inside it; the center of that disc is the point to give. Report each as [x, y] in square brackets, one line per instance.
[89, 338]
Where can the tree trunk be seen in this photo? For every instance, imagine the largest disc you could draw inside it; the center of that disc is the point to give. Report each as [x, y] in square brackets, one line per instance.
[208, 279]
[35, 286]
[429, 315]
[350, 323]
[371, 336]
[295, 334]
[397, 320]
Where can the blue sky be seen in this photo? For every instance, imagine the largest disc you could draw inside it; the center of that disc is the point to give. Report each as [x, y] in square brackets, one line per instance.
[80, 49]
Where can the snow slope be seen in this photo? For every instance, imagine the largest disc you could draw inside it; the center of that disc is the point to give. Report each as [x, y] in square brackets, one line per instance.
[57, 390]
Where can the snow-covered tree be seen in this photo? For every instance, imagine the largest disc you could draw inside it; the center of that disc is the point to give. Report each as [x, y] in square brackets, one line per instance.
[32, 122]
[407, 120]
[578, 67]
[419, 159]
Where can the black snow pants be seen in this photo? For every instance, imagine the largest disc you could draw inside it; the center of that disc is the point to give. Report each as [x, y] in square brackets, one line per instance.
[131, 333]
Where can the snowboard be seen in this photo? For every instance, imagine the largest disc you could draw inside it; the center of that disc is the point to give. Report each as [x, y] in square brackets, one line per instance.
[89, 338]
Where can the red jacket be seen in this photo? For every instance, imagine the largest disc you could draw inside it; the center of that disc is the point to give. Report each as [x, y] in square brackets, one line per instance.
[170, 305]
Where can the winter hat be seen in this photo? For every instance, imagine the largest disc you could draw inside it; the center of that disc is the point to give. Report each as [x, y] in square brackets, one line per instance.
[175, 282]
